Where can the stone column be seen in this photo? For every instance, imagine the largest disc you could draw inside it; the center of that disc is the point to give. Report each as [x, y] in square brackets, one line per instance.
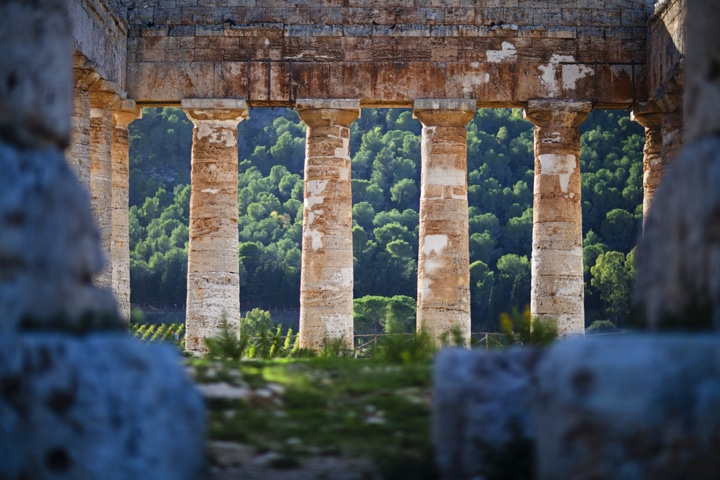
[672, 126]
[557, 256]
[78, 152]
[326, 282]
[650, 117]
[102, 97]
[443, 293]
[124, 113]
[213, 288]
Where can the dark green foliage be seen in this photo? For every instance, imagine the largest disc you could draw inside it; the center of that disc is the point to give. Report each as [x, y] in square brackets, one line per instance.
[612, 276]
[385, 149]
[522, 329]
[417, 347]
[601, 326]
[258, 337]
[375, 314]
[227, 344]
[159, 152]
[335, 348]
[453, 337]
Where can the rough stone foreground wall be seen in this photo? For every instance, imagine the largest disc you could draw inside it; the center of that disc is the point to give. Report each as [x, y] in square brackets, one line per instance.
[72, 406]
[388, 52]
[99, 32]
[630, 407]
[48, 243]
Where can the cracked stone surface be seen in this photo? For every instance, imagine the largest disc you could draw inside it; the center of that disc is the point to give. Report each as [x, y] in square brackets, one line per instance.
[101, 406]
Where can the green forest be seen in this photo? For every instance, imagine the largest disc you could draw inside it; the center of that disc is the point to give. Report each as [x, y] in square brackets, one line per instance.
[385, 149]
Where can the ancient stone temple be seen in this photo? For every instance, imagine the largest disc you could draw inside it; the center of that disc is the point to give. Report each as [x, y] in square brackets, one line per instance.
[330, 58]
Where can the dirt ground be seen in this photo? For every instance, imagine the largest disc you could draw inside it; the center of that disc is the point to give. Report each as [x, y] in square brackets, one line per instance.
[232, 461]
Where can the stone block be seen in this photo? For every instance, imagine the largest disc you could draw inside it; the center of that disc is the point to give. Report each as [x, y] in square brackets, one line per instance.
[630, 407]
[49, 245]
[100, 406]
[481, 413]
[638, 406]
[35, 97]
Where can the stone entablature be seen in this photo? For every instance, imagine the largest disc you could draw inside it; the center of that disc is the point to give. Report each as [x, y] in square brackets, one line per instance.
[666, 49]
[100, 33]
[388, 53]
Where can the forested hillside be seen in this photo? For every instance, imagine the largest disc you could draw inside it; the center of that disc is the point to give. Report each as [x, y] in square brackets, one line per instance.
[385, 150]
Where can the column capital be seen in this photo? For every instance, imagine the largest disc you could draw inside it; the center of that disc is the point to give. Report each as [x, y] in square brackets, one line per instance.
[84, 71]
[199, 110]
[84, 78]
[104, 94]
[125, 112]
[557, 113]
[444, 111]
[647, 114]
[670, 100]
[336, 111]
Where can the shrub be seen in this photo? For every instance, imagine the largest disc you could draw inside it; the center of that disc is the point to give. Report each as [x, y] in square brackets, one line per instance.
[406, 349]
[335, 348]
[522, 329]
[601, 326]
[227, 344]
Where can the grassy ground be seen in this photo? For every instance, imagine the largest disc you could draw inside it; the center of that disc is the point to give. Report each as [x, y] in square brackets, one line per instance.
[291, 411]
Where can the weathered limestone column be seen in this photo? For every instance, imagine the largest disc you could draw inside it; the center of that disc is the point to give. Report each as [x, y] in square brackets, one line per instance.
[557, 257]
[124, 113]
[326, 282]
[443, 294]
[650, 117]
[213, 288]
[78, 152]
[672, 126]
[102, 97]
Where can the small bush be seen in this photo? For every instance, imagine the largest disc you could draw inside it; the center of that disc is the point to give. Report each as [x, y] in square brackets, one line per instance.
[522, 329]
[227, 344]
[601, 326]
[453, 338]
[406, 349]
[253, 340]
[335, 348]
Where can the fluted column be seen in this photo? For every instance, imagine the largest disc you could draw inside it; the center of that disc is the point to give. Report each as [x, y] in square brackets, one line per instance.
[557, 257]
[650, 117]
[78, 152]
[102, 96]
[213, 284]
[326, 282]
[124, 113]
[443, 292]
